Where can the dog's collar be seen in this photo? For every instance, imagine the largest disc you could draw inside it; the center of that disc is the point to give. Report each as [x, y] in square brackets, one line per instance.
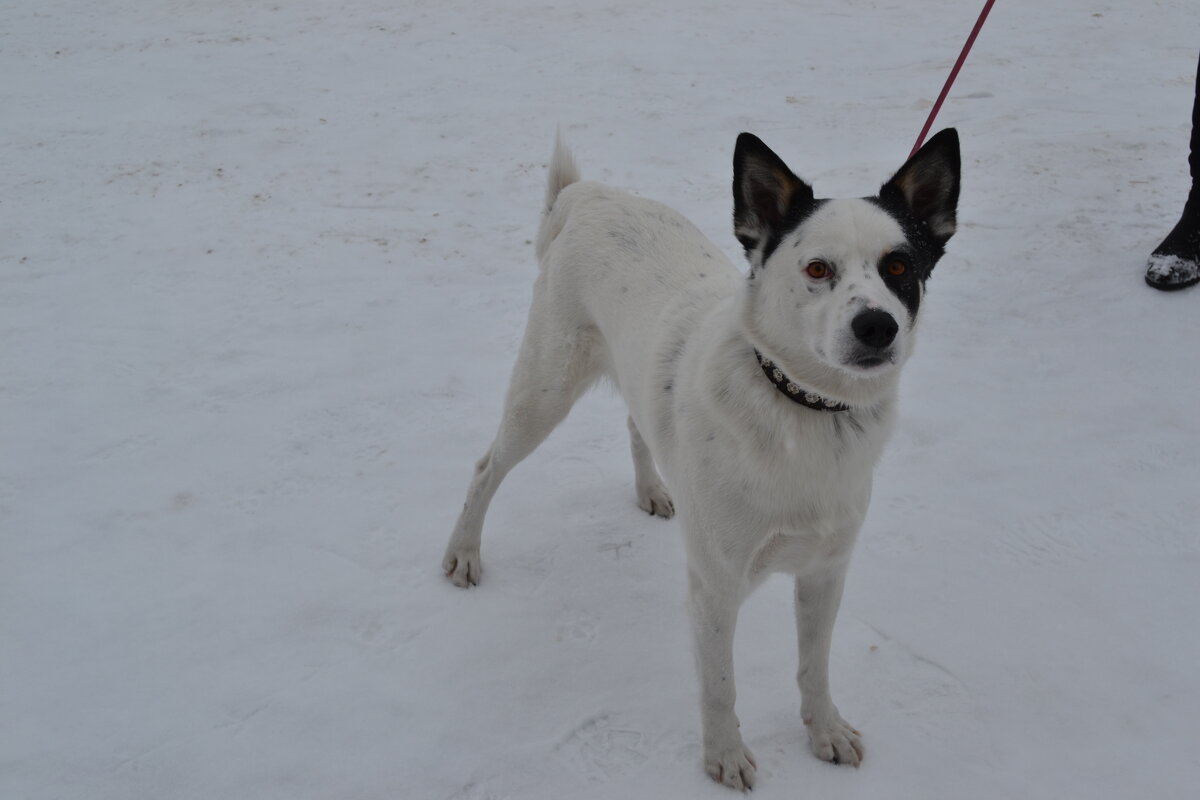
[795, 393]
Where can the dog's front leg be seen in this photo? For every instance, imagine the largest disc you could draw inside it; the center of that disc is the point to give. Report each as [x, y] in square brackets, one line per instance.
[817, 600]
[714, 608]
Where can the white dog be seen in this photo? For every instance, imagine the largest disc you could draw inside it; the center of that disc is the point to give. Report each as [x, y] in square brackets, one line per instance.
[764, 398]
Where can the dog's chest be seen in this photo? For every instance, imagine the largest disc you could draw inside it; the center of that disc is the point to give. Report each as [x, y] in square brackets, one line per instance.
[810, 524]
[807, 497]
[801, 550]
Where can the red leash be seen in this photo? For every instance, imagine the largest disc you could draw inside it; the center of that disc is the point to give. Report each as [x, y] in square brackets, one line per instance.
[953, 74]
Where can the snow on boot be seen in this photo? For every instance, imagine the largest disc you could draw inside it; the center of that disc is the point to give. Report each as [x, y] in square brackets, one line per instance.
[1175, 264]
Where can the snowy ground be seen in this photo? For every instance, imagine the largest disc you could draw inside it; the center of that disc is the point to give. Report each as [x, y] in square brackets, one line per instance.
[263, 270]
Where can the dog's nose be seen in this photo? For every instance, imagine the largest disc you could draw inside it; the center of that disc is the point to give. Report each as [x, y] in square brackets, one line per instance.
[875, 328]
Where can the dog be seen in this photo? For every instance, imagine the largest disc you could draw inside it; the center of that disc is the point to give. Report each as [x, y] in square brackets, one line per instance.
[765, 398]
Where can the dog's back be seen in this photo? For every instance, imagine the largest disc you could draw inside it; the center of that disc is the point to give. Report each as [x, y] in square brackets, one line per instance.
[635, 270]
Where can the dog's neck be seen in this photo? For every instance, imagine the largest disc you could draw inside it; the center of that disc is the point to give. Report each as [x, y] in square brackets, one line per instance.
[795, 392]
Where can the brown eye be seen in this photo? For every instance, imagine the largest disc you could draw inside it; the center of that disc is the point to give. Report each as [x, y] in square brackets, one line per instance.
[817, 269]
[896, 268]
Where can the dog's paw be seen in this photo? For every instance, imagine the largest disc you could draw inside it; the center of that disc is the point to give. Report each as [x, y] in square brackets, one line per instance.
[734, 767]
[463, 566]
[836, 742]
[653, 499]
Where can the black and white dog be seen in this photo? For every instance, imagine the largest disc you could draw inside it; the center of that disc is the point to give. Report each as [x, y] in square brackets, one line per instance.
[765, 398]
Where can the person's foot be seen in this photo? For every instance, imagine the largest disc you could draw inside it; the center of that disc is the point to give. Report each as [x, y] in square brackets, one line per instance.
[1175, 264]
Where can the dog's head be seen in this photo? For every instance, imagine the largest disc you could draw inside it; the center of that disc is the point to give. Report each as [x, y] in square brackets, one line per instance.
[836, 284]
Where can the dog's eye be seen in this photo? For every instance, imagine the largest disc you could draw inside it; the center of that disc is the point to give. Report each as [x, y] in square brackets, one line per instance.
[896, 268]
[818, 270]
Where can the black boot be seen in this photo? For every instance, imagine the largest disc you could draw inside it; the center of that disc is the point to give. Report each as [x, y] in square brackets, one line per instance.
[1175, 264]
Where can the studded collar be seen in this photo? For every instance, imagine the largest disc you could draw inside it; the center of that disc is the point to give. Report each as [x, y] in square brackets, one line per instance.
[794, 392]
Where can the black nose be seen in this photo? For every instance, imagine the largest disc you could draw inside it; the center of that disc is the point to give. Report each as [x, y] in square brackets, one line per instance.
[875, 328]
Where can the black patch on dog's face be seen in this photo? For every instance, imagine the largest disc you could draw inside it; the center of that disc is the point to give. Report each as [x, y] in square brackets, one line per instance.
[908, 287]
[920, 255]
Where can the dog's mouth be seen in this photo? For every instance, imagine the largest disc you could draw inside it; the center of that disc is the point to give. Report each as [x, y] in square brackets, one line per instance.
[871, 362]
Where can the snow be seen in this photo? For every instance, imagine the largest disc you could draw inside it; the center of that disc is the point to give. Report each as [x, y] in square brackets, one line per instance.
[263, 271]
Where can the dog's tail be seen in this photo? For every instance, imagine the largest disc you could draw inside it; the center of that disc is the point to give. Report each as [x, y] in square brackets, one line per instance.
[563, 173]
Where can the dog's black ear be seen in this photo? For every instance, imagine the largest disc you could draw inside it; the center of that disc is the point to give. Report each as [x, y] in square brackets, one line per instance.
[927, 185]
[765, 194]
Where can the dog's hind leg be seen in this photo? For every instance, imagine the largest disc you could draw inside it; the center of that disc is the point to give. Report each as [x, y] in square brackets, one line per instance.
[554, 367]
[652, 496]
